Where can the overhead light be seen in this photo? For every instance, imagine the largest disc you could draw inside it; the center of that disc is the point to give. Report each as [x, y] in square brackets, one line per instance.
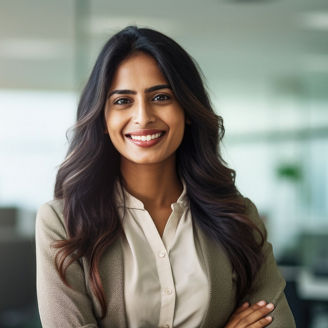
[315, 20]
[20, 48]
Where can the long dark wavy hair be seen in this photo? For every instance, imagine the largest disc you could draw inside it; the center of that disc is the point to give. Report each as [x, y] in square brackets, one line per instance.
[85, 180]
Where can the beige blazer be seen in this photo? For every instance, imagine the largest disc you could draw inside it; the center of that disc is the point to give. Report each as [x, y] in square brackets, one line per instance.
[62, 307]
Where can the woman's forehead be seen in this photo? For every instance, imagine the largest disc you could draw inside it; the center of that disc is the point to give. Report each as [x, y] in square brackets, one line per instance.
[140, 71]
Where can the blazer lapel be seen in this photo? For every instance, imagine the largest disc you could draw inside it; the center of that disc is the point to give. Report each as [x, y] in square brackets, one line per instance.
[221, 282]
[113, 275]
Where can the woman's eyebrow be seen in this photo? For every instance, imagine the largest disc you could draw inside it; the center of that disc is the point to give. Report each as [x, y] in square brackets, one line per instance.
[157, 87]
[151, 89]
[122, 92]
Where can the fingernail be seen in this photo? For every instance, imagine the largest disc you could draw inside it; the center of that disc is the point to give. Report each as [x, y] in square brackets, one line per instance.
[270, 306]
[261, 303]
[245, 304]
[268, 318]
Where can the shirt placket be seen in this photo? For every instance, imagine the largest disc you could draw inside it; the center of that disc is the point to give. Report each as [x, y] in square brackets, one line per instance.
[165, 275]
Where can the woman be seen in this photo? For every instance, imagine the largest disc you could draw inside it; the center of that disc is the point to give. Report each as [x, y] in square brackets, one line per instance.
[147, 228]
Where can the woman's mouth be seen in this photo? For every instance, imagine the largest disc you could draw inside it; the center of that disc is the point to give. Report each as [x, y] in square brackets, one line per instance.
[145, 140]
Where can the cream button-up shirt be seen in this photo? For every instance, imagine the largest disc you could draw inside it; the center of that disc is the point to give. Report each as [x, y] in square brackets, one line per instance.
[165, 282]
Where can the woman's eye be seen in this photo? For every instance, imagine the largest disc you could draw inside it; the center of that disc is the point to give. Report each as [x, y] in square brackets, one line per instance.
[122, 101]
[161, 97]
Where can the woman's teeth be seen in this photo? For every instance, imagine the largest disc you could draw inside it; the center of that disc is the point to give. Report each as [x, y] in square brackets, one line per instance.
[147, 137]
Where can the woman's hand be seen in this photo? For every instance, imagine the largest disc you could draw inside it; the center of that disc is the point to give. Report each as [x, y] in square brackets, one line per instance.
[254, 316]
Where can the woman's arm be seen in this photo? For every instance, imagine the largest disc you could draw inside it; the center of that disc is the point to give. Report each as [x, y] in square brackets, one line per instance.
[269, 284]
[59, 305]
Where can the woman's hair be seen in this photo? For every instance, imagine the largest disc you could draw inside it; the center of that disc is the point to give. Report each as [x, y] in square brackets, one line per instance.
[85, 180]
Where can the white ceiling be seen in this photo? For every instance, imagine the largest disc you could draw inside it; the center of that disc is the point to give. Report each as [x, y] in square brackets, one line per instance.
[245, 43]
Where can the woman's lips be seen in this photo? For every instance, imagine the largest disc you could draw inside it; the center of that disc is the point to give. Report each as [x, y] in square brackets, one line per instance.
[146, 140]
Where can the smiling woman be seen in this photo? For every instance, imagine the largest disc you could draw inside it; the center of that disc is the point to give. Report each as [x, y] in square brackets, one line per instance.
[144, 120]
[147, 228]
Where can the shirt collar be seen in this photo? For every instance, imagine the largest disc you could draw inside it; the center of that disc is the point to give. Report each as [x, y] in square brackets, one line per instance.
[133, 202]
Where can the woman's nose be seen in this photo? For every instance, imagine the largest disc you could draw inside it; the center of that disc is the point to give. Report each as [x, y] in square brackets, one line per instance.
[143, 113]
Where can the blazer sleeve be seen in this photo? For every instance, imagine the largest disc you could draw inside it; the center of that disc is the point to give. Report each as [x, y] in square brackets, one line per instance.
[59, 305]
[269, 284]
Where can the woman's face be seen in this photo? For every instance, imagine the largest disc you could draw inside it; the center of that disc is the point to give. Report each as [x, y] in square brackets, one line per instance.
[144, 120]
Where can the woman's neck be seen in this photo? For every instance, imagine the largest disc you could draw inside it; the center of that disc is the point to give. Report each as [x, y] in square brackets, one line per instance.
[156, 185]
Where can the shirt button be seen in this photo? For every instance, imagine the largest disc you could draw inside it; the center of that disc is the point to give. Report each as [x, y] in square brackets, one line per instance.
[168, 291]
[161, 254]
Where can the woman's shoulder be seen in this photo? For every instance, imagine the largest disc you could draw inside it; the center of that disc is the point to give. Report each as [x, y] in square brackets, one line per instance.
[52, 207]
[50, 216]
[253, 214]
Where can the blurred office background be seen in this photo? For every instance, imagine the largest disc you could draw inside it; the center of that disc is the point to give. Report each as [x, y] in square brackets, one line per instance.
[266, 68]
